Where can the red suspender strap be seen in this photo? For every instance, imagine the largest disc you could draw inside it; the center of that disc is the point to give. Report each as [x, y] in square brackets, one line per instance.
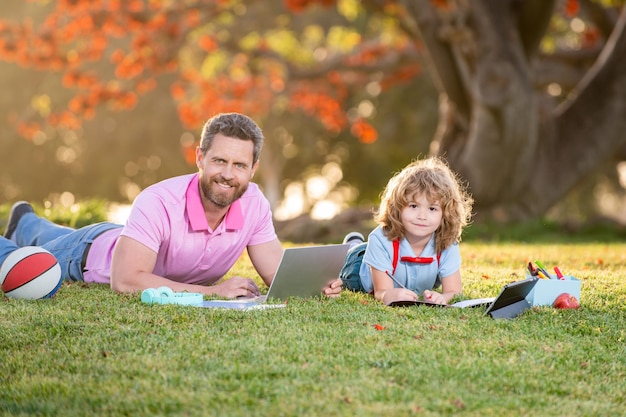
[396, 251]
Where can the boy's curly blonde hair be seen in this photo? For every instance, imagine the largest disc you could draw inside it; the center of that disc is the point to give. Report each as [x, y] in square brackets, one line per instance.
[433, 178]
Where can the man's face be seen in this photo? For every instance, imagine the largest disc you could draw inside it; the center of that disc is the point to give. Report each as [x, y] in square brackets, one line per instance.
[225, 170]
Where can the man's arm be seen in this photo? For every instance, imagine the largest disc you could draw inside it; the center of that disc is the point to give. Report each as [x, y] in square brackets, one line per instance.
[265, 259]
[133, 263]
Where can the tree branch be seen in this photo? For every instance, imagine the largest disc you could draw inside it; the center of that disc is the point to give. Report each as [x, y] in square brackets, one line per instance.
[589, 127]
[603, 18]
[534, 18]
[439, 55]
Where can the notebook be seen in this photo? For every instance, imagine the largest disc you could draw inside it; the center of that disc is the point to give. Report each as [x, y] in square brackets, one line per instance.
[510, 303]
[302, 272]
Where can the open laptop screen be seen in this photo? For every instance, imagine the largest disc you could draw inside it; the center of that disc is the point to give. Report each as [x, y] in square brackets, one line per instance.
[305, 271]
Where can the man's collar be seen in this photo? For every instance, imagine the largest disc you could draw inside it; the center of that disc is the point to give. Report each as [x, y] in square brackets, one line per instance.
[195, 210]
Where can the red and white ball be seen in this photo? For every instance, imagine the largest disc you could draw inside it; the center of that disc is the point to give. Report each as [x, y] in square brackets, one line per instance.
[31, 273]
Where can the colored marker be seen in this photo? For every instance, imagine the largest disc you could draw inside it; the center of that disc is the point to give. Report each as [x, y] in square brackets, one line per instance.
[559, 275]
[542, 269]
[532, 269]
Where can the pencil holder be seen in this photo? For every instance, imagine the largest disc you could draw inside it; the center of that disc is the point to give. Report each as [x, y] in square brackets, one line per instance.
[545, 291]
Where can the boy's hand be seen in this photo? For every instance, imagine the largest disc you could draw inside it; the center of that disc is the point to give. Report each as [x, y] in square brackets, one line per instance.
[398, 294]
[434, 297]
[334, 288]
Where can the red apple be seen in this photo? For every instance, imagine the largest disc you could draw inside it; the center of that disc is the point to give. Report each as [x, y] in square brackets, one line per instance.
[566, 300]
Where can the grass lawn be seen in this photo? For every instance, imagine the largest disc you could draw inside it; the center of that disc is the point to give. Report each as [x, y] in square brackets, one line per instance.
[91, 352]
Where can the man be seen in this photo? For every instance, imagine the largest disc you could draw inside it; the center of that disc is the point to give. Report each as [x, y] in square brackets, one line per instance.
[185, 232]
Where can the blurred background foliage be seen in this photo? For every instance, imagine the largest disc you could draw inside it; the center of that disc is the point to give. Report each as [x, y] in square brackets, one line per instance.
[111, 155]
[115, 154]
[538, 231]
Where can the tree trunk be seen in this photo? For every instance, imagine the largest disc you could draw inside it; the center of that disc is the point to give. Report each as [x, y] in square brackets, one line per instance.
[587, 131]
[517, 160]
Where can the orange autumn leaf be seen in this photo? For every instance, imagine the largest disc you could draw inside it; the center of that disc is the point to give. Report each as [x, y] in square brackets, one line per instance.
[296, 6]
[207, 44]
[364, 131]
[75, 104]
[88, 113]
[189, 153]
[177, 91]
[441, 4]
[137, 40]
[192, 18]
[127, 101]
[135, 6]
[379, 327]
[571, 8]
[99, 42]
[146, 85]
[159, 20]
[69, 79]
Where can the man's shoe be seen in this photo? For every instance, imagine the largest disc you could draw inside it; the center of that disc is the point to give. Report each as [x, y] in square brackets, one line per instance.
[353, 238]
[17, 211]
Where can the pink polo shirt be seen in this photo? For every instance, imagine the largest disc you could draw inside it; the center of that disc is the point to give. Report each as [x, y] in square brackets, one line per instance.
[168, 218]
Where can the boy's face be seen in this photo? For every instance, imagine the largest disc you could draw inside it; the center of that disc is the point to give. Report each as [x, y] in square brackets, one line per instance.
[421, 217]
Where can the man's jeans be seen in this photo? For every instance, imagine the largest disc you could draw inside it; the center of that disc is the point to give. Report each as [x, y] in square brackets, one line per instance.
[66, 244]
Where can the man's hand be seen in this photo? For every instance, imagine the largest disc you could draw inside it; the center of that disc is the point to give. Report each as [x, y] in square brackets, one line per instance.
[236, 287]
[334, 289]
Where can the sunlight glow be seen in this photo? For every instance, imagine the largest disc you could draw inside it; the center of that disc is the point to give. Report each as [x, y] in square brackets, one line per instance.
[68, 199]
[66, 155]
[373, 88]
[333, 172]
[321, 194]
[317, 187]
[118, 213]
[324, 210]
[187, 139]
[577, 25]
[39, 138]
[292, 204]
[130, 190]
[366, 108]
[554, 89]
[621, 172]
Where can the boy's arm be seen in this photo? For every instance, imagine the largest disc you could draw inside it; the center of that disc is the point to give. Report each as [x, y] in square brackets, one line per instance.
[384, 290]
[450, 286]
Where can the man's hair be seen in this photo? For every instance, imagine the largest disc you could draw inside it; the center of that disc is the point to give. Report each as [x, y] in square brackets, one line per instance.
[234, 125]
[433, 179]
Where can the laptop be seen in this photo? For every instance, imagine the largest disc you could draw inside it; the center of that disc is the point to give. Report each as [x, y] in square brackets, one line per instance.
[302, 272]
[510, 303]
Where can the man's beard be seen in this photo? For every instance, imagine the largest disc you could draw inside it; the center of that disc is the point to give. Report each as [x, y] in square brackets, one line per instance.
[221, 198]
